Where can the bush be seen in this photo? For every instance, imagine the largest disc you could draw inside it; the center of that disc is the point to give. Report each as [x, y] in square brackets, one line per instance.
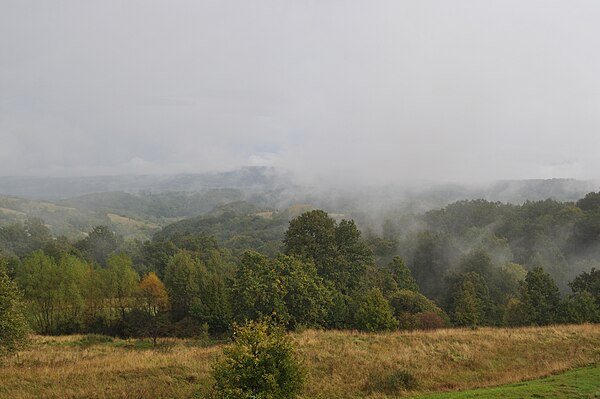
[406, 303]
[390, 383]
[95, 339]
[375, 313]
[260, 364]
[13, 326]
[429, 321]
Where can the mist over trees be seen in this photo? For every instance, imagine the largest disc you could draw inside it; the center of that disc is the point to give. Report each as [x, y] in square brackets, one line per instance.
[471, 263]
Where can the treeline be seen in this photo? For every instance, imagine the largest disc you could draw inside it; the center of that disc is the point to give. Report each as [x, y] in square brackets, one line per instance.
[473, 263]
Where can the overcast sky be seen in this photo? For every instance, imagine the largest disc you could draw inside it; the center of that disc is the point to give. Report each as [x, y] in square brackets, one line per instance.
[353, 90]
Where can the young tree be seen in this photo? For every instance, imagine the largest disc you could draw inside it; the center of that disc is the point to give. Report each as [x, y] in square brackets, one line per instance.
[152, 320]
[123, 282]
[261, 364]
[153, 294]
[13, 326]
[39, 279]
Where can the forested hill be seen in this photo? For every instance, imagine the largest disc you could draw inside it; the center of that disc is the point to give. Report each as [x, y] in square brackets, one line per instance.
[471, 263]
[138, 206]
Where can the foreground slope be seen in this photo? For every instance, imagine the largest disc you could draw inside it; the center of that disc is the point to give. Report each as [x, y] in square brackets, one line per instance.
[578, 383]
[340, 364]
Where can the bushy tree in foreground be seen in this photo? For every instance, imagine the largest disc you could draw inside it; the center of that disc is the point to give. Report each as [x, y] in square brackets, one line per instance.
[260, 364]
[13, 326]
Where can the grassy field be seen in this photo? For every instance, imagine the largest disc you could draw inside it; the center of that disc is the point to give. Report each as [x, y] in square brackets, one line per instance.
[340, 364]
[578, 383]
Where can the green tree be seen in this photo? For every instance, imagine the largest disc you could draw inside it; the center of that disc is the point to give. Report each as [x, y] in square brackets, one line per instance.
[516, 313]
[260, 364]
[13, 326]
[212, 305]
[123, 283]
[579, 308]
[337, 251]
[99, 245]
[306, 297]
[258, 290]
[181, 280]
[470, 300]
[286, 288]
[39, 279]
[541, 297]
[588, 282]
[374, 313]
[430, 264]
[402, 275]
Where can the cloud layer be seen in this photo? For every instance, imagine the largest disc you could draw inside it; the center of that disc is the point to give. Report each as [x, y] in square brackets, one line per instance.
[347, 90]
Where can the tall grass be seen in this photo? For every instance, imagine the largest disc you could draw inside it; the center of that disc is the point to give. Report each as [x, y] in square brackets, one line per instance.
[341, 364]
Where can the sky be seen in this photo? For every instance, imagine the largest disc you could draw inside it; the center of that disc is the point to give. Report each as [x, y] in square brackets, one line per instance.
[382, 91]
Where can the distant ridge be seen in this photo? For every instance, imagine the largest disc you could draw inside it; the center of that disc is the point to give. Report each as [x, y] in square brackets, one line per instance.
[57, 188]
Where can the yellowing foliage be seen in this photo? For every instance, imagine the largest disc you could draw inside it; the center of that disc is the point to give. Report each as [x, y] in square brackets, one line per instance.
[154, 293]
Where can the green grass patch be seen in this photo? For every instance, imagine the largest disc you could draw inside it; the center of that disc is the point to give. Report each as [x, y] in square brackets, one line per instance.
[578, 383]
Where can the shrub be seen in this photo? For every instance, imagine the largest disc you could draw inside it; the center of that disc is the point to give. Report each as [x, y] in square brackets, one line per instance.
[429, 321]
[375, 313]
[95, 339]
[260, 364]
[13, 327]
[390, 383]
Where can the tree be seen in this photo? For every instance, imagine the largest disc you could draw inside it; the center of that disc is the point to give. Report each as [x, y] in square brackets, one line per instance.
[13, 326]
[471, 300]
[153, 294]
[540, 296]
[260, 364]
[579, 308]
[212, 305]
[258, 290]
[402, 275]
[374, 313]
[155, 304]
[39, 279]
[588, 282]
[286, 288]
[306, 297]
[123, 282]
[430, 264]
[337, 251]
[100, 243]
[516, 313]
[181, 281]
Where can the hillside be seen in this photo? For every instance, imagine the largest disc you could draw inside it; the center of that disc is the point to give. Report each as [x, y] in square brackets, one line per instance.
[341, 364]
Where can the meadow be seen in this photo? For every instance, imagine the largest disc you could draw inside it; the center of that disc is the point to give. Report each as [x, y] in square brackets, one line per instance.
[340, 364]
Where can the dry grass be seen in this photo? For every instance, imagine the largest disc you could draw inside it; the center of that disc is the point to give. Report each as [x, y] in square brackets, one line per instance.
[339, 363]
